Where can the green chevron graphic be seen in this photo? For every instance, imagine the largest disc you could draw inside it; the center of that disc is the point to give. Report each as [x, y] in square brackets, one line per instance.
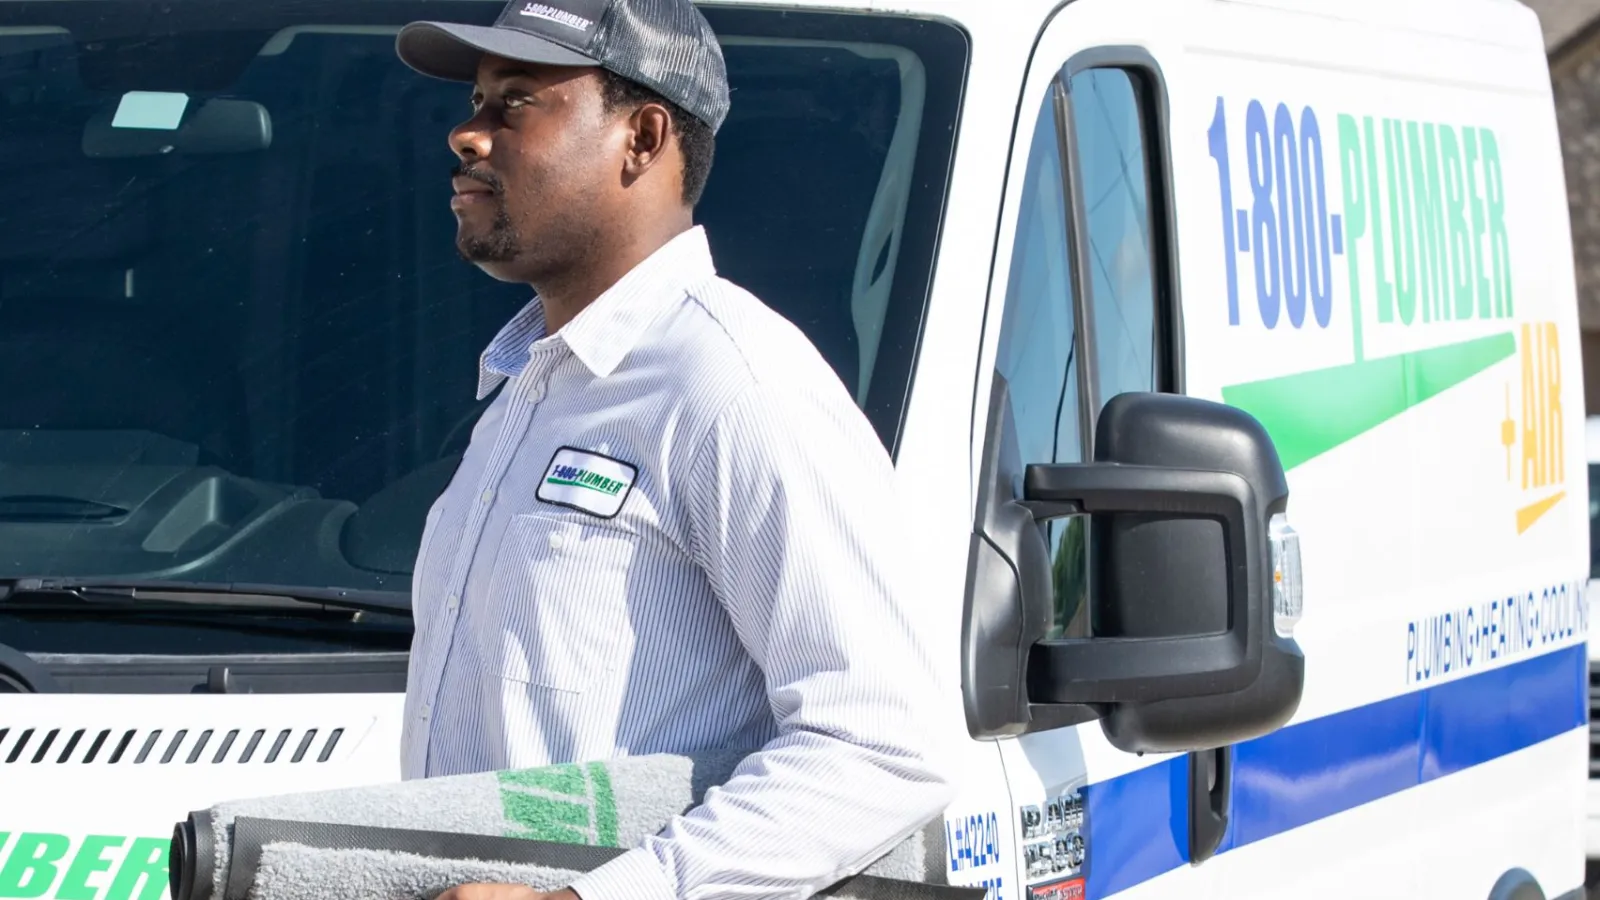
[1309, 413]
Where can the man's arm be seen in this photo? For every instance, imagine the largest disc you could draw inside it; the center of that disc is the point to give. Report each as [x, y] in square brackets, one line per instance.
[794, 522]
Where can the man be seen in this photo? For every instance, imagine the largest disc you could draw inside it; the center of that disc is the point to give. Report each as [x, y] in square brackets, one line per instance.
[673, 529]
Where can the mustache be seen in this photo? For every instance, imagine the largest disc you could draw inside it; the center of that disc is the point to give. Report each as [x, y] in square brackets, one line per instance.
[482, 176]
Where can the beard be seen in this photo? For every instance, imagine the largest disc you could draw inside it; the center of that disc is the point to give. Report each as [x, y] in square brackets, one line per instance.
[502, 242]
[564, 234]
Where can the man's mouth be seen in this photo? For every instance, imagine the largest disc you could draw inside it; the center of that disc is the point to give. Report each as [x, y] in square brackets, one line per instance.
[469, 192]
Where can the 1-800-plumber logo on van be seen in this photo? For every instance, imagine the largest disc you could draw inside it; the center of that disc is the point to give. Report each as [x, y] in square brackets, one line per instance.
[1410, 218]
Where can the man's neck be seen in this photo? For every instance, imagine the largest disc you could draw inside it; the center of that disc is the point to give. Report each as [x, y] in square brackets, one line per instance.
[563, 298]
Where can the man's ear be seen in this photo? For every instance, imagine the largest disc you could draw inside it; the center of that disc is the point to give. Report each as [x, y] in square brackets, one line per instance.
[652, 134]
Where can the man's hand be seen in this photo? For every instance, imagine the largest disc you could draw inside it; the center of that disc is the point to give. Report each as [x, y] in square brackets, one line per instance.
[503, 892]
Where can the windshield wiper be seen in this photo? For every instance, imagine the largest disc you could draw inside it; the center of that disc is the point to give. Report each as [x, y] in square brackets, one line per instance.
[180, 595]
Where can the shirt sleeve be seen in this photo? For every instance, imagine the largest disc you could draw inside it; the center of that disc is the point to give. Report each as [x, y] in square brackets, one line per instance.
[795, 522]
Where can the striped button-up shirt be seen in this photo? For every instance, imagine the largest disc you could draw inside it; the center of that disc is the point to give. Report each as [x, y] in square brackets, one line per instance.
[672, 530]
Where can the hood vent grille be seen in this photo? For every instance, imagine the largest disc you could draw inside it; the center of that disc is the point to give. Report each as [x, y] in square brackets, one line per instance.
[157, 746]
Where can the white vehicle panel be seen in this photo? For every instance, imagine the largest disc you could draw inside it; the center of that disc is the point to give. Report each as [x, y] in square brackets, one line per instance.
[1440, 735]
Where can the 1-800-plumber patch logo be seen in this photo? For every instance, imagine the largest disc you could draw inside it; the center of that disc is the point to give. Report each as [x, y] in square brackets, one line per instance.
[587, 482]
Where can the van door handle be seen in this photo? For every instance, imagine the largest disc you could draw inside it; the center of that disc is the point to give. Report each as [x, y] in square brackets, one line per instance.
[1210, 801]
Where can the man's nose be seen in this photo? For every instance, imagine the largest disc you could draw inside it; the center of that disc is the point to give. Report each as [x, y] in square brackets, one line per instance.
[470, 139]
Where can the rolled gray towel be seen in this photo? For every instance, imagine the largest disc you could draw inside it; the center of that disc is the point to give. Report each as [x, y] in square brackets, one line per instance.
[612, 804]
[290, 871]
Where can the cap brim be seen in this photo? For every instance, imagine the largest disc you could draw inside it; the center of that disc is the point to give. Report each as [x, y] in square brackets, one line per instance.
[452, 52]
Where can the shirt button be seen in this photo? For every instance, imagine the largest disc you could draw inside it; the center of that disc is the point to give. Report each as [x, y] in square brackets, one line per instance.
[487, 496]
[452, 602]
[427, 710]
[557, 541]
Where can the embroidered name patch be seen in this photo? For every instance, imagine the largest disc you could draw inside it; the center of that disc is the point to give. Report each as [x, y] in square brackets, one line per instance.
[587, 482]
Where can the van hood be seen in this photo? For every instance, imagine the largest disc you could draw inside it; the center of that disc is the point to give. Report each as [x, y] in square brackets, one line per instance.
[95, 784]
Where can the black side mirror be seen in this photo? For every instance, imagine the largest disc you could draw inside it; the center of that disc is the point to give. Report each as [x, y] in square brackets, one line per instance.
[1194, 582]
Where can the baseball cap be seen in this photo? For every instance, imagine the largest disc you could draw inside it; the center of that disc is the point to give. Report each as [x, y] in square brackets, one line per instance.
[665, 45]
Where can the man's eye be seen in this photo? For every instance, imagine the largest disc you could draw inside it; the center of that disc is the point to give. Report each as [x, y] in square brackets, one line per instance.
[512, 101]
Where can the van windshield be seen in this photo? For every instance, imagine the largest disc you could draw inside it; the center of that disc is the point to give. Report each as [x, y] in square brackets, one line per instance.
[236, 341]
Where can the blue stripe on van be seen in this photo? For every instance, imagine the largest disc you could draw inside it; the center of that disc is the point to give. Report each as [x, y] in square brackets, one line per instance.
[1137, 824]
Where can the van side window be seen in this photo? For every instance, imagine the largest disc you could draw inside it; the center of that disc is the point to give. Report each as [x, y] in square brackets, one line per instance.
[1109, 150]
[1037, 354]
[1114, 264]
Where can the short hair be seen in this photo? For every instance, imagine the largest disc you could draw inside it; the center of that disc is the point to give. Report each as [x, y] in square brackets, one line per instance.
[695, 137]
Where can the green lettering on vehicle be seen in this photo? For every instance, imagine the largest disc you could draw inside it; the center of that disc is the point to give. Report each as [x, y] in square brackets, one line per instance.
[89, 859]
[1355, 215]
[32, 865]
[1442, 248]
[1475, 206]
[1460, 241]
[1400, 242]
[1385, 289]
[1424, 155]
[1499, 243]
[144, 869]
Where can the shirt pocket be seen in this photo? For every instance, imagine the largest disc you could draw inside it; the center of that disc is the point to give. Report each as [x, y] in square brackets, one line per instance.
[557, 602]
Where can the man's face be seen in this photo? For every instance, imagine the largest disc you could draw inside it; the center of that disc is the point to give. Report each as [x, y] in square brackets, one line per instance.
[535, 165]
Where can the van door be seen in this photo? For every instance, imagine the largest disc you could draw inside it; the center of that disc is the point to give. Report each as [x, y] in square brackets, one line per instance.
[1086, 284]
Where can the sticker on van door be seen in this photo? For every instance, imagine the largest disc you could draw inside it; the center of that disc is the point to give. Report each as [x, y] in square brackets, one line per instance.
[1068, 889]
[977, 850]
[1052, 839]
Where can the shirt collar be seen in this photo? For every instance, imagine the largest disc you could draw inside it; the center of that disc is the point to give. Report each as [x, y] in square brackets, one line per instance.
[603, 332]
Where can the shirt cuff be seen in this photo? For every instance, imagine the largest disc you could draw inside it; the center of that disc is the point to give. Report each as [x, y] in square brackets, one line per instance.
[635, 875]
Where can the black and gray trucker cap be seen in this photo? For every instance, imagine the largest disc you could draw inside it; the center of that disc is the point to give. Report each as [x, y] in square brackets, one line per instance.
[665, 45]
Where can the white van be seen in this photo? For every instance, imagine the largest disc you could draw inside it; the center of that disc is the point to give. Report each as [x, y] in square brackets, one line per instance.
[1294, 278]
[1592, 455]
